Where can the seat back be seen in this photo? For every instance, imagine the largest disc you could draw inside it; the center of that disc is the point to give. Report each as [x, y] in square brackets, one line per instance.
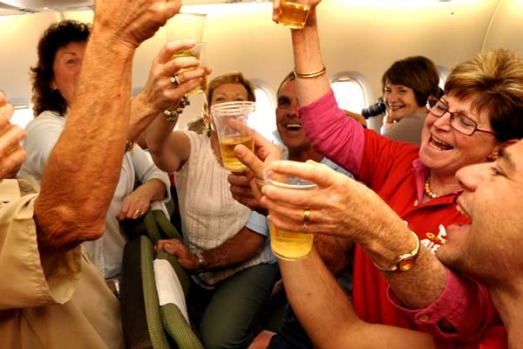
[150, 319]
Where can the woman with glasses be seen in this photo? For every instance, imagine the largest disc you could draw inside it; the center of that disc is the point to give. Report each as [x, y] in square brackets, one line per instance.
[397, 278]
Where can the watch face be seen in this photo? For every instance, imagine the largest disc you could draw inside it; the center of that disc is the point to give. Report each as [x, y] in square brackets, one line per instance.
[406, 264]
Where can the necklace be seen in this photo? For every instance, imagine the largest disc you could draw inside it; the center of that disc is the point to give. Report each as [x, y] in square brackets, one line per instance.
[427, 189]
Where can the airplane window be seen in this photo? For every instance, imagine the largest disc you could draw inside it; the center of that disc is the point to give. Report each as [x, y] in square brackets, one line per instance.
[22, 116]
[349, 92]
[443, 74]
[265, 117]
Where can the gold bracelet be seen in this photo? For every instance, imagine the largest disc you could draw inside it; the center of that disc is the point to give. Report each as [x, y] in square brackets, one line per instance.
[129, 146]
[310, 75]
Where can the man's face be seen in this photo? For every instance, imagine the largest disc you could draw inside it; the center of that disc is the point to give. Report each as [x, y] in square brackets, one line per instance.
[287, 120]
[490, 247]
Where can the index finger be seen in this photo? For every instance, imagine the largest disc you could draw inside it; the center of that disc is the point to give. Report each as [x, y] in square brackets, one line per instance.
[170, 48]
[312, 171]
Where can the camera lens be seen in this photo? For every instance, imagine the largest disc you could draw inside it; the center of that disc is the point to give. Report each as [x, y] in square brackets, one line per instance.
[375, 109]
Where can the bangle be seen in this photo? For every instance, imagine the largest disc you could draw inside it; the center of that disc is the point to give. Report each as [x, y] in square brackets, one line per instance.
[129, 146]
[172, 115]
[405, 261]
[310, 75]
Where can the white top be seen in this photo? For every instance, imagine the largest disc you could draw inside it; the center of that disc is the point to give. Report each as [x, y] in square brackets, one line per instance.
[209, 214]
[42, 134]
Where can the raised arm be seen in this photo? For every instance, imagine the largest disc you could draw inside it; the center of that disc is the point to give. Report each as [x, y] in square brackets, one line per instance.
[307, 58]
[71, 208]
[160, 93]
[328, 316]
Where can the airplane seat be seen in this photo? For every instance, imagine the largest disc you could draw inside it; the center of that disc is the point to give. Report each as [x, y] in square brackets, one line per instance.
[153, 289]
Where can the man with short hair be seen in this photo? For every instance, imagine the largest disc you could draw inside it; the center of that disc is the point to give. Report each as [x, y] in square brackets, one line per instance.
[48, 286]
[335, 252]
[487, 249]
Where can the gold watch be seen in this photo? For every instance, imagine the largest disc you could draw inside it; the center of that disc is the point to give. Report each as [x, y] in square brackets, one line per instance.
[405, 261]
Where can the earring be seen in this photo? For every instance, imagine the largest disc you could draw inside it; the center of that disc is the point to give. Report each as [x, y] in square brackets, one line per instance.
[492, 157]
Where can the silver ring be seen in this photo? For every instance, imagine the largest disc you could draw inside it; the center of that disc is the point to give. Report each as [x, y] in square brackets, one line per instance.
[138, 213]
[175, 79]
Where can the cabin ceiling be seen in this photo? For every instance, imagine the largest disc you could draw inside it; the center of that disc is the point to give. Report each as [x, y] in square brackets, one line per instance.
[16, 7]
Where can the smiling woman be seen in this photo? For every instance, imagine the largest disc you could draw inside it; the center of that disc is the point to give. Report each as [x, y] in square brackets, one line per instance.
[479, 89]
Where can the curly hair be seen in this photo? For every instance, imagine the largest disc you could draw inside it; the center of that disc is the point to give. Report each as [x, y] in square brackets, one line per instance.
[58, 35]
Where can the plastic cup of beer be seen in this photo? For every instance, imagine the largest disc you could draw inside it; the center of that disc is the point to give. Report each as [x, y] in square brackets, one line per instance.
[294, 13]
[186, 26]
[289, 245]
[234, 124]
[189, 26]
[199, 51]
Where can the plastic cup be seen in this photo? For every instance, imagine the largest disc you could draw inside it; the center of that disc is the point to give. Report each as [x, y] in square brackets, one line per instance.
[289, 245]
[189, 26]
[294, 13]
[186, 26]
[234, 124]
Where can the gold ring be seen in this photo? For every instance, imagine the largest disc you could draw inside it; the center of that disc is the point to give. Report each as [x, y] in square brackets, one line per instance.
[306, 218]
[175, 79]
[138, 213]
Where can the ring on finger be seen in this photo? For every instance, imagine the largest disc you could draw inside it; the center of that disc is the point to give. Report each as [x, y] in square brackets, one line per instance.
[138, 213]
[175, 79]
[306, 218]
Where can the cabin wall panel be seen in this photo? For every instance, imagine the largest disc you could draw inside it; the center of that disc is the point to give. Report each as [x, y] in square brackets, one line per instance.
[359, 36]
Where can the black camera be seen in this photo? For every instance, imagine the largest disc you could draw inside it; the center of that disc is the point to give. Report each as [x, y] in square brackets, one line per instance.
[376, 109]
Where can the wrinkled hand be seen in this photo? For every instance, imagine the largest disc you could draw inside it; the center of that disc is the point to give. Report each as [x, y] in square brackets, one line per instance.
[160, 93]
[12, 155]
[175, 247]
[245, 186]
[134, 206]
[132, 21]
[339, 206]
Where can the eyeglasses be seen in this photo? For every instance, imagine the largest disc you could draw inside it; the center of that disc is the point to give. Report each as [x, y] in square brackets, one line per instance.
[459, 122]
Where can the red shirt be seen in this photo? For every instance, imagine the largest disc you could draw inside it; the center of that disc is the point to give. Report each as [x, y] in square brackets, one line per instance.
[393, 171]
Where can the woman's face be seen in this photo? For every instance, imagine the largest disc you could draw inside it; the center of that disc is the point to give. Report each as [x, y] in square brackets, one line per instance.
[400, 101]
[66, 68]
[228, 92]
[446, 150]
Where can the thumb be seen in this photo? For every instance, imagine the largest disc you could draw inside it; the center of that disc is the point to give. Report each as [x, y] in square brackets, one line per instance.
[250, 160]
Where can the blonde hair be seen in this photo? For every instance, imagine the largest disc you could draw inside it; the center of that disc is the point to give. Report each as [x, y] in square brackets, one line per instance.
[493, 80]
[228, 78]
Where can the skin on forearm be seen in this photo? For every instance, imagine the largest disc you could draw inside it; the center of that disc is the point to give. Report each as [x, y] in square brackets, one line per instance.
[240, 248]
[90, 149]
[417, 287]
[169, 150]
[142, 113]
[328, 316]
[152, 190]
[307, 59]
[335, 252]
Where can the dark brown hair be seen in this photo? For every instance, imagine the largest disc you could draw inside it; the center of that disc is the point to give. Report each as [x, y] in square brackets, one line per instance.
[418, 73]
[55, 37]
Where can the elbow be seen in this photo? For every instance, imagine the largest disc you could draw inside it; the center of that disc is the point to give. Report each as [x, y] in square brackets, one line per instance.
[63, 228]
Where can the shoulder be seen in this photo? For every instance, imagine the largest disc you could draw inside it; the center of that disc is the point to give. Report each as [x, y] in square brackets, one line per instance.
[46, 120]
